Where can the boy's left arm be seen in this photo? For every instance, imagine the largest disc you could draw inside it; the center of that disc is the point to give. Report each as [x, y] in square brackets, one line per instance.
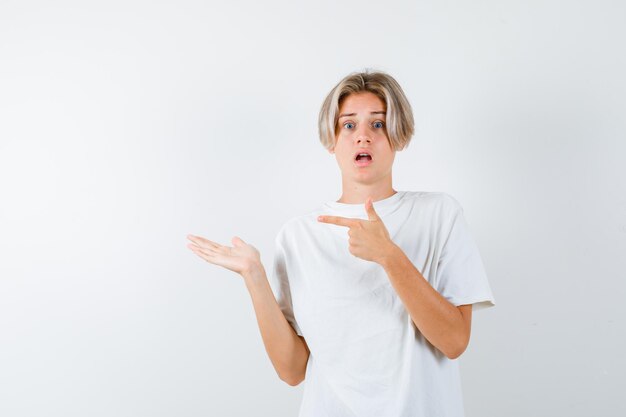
[444, 325]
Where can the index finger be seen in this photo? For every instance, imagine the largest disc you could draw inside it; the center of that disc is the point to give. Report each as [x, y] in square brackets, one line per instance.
[200, 241]
[338, 220]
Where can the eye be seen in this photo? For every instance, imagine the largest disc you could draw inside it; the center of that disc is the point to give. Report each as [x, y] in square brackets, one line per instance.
[379, 125]
[348, 125]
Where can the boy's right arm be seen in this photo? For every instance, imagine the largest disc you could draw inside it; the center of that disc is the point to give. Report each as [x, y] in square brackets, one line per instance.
[288, 352]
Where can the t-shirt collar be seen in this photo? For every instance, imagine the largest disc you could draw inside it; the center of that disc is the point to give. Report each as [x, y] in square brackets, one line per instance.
[381, 206]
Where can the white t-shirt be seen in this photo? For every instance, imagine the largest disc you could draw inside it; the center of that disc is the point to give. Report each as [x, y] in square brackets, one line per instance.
[367, 356]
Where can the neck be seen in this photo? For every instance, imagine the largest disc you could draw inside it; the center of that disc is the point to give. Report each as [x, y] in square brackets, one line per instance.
[358, 193]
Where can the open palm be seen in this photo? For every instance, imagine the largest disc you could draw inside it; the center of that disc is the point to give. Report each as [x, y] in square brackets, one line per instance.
[239, 258]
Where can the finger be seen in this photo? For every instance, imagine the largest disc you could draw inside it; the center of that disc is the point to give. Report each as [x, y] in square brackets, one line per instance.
[194, 248]
[216, 250]
[237, 241]
[208, 256]
[338, 220]
[369, 208]
[200, 241]
[214, 254]
[217, 258]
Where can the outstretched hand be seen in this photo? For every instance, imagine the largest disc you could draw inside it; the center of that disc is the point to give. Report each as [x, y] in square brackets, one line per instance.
[240, 258]
[369, 239]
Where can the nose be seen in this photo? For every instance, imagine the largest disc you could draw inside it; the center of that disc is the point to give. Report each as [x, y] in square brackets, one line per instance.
[362, 135]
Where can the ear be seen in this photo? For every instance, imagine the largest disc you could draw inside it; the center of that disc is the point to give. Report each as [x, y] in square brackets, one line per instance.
[332, 150]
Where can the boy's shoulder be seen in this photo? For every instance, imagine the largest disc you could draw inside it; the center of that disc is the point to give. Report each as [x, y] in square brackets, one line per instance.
[437, 200]
[439, 197]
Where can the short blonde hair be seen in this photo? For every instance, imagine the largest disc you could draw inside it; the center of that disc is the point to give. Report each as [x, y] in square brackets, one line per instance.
[399, 115]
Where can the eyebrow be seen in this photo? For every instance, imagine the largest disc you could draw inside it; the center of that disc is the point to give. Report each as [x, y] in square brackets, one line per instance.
[354, 114]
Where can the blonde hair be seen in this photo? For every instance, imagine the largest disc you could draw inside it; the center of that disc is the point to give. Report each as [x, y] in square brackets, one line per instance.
[399, 115]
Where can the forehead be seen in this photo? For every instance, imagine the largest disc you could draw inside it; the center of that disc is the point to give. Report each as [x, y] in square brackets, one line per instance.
[359, 102]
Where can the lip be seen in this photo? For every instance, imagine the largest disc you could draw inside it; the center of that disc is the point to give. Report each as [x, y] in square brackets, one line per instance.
[363, 162]
[367, 151]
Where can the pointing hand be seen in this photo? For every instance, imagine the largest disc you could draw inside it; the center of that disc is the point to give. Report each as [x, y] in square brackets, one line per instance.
[369, 239]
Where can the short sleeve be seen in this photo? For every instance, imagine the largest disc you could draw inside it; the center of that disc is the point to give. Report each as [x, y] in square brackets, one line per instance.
[282, 290]
[461, 276]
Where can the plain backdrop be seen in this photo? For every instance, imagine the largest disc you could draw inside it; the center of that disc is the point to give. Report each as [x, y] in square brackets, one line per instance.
[126, 125]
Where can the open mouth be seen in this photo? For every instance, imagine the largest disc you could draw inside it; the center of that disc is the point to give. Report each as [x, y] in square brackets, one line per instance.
[362, 159]
[363, 156]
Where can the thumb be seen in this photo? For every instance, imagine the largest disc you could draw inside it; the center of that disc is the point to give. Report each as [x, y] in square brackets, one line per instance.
[237, 241]
[369, 208]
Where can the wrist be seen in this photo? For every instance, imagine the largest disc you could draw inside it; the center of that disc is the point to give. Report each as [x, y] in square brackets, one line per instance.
[254, 274]
[389, 255]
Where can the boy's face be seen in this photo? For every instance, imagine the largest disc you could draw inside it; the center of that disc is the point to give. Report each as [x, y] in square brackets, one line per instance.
[361, 128]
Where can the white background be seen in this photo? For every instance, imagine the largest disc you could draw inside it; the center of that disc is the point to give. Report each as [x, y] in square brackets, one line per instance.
[126, 125]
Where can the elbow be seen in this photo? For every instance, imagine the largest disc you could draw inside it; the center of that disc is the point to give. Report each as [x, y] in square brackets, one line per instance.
[292, 381]
[458, 350]
[294, 371]
[454, 354]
